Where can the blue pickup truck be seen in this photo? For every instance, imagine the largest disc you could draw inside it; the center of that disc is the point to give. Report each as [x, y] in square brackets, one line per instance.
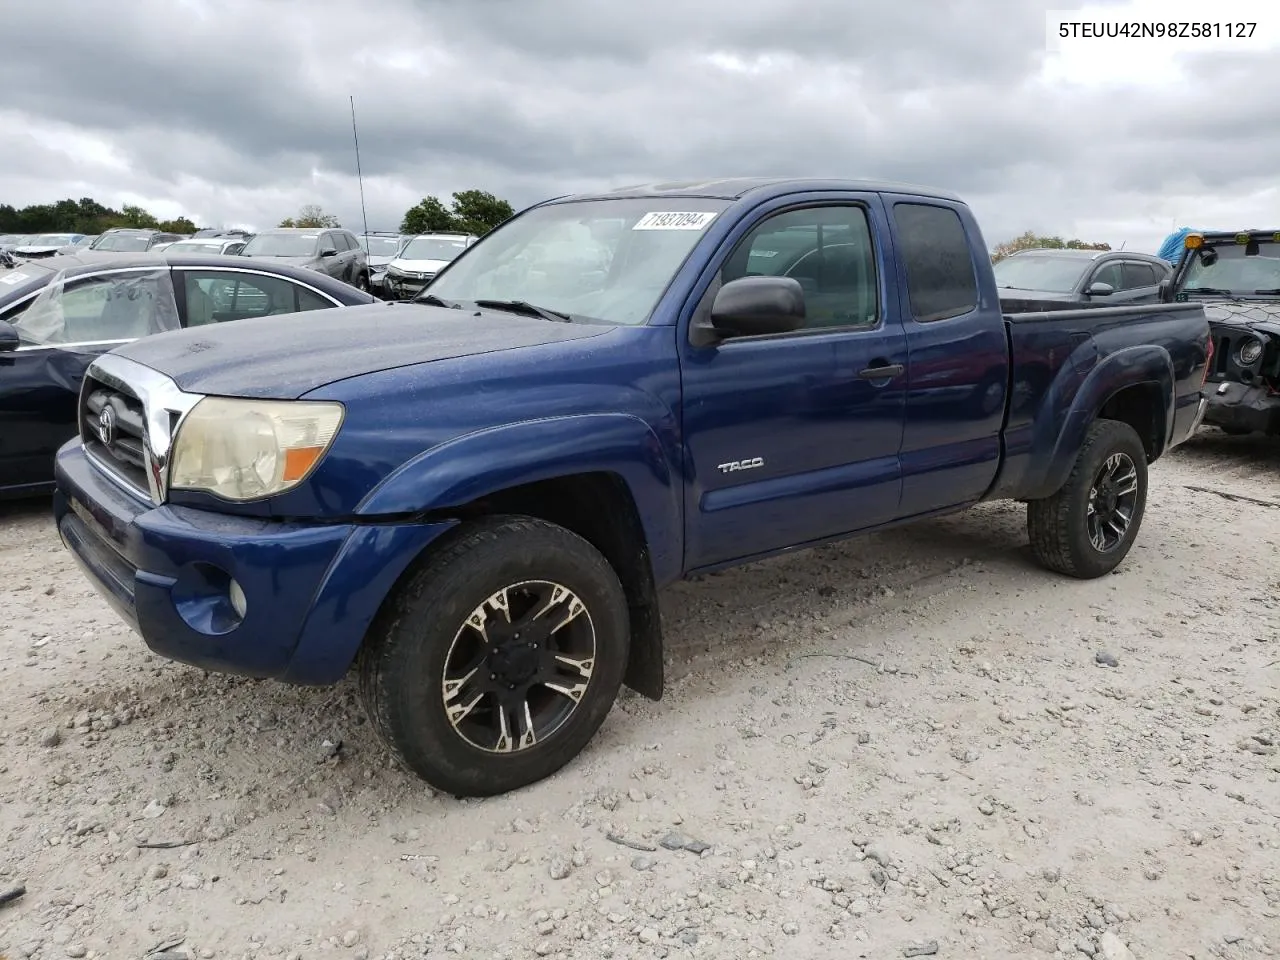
[473, 499]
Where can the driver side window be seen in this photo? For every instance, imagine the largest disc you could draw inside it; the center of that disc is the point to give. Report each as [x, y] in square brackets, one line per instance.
[828, 250]
[1109, 273]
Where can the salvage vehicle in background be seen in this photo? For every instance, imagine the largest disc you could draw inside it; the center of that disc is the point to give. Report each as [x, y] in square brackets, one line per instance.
[1235, 275]
[334, 252]
[128, 240]
[420, 259]
[381, 248]
[46, 244]
[225, 246]
[58, 314]
[475, 500]
[1082, 276]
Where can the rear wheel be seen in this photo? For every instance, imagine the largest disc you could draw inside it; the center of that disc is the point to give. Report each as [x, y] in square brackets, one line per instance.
[498, 660]
[1088, 527]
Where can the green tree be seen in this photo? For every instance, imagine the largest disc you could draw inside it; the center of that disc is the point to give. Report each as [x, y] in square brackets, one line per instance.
[478, 212]
[313, 217]
[137, 217]
[1032, 241]
[427, 216]
[178, 225]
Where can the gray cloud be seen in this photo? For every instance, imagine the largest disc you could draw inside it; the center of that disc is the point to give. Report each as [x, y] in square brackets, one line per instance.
[237, 112]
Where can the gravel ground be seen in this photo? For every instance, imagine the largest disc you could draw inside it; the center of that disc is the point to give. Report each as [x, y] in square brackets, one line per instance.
[913, 744]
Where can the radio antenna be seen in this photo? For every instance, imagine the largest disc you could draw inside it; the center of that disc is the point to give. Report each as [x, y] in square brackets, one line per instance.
[359, 176]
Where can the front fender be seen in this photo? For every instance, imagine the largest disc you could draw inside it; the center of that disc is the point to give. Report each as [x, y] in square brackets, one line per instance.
[1064, 418]
[498, 458]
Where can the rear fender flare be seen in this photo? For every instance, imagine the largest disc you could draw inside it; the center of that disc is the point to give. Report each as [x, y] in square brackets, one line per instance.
[1128, 367]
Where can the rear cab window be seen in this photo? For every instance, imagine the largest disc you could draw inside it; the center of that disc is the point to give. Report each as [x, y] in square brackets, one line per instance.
[938, 259]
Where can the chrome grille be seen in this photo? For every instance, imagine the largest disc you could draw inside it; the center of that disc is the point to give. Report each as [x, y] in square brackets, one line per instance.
[113, 430]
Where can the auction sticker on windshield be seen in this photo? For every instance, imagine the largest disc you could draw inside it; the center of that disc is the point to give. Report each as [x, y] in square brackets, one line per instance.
[12, 278]
[674, 221]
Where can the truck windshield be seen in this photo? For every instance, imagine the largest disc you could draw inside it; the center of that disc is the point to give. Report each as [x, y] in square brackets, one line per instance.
[1234, 269]
[607, 260]
[1050, 274]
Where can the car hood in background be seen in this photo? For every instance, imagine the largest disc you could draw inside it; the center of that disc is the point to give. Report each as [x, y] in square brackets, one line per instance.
[421, 266]
[286, 356]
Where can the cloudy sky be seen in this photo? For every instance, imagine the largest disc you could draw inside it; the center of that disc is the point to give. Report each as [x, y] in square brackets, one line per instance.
[236, 112]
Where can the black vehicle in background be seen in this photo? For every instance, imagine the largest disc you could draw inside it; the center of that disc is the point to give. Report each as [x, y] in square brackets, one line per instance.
[1236, 275]
[58, 314]
[1082, 276]
[331, 251]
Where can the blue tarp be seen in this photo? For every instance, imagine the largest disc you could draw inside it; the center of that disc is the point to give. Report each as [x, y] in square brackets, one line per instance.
[1171, 249]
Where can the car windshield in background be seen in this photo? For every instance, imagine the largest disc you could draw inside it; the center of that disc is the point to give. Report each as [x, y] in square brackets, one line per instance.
[123, 243]
[380, 246]
[1050, 274]
[433, 248]
[608, 260]
[183, 246]
[50, 240]
[1233, 270]
[282, 245]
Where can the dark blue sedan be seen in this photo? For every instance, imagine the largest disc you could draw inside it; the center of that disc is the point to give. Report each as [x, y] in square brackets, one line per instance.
[58, 314]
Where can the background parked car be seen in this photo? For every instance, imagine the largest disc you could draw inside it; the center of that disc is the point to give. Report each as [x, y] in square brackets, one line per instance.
[51, 331]
[1082, 275]
[420, 259]
[381, 247]
[223, 246]
[46, 244]
[11, 241]
[335, 252]
[126, 240]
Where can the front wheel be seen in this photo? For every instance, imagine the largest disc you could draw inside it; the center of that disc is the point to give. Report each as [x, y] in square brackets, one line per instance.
[496, 662]
[1087, 527]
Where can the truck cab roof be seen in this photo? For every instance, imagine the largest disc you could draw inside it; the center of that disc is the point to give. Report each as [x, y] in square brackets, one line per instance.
[736, 188]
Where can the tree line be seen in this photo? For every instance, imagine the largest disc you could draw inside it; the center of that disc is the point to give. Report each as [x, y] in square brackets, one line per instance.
[471, 211]
[1032, 241]
[85, 216]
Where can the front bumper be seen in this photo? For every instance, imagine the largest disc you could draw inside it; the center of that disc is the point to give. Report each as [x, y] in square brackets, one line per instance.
[404, 288]
[1242, 407]
[311, 589]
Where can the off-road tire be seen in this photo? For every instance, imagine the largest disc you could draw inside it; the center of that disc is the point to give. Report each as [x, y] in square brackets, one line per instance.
[1058, 524]
[402, 663]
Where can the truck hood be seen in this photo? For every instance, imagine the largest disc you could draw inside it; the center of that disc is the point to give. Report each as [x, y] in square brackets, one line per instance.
[287, 356]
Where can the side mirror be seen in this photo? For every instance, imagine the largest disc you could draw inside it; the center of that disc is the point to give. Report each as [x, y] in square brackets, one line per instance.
[753, 306]
[1100, 289]
[9, 339]
[328, 252]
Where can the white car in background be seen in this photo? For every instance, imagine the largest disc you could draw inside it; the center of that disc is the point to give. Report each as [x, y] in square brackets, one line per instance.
[420, 259]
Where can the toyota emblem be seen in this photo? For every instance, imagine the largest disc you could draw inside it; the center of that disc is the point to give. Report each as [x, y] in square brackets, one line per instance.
[107, 426]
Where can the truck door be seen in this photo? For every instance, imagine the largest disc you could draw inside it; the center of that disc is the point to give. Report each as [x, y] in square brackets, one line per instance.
[959, 356]
[793, 438]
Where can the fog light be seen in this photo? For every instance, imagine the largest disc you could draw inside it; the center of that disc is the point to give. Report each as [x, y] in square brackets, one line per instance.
[238, 601]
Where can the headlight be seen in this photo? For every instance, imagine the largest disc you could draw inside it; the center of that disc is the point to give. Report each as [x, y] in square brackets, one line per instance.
[1249, 352]
[249, 449]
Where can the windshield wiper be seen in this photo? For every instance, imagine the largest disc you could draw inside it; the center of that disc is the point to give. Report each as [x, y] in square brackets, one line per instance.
[1272, 292]
[435, 301]
[1211, 291]
[525, 307]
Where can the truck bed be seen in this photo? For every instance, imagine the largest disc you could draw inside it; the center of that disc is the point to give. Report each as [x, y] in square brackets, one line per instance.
[1066, 360]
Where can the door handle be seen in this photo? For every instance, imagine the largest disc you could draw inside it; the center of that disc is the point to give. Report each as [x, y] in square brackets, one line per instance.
[881, 372]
